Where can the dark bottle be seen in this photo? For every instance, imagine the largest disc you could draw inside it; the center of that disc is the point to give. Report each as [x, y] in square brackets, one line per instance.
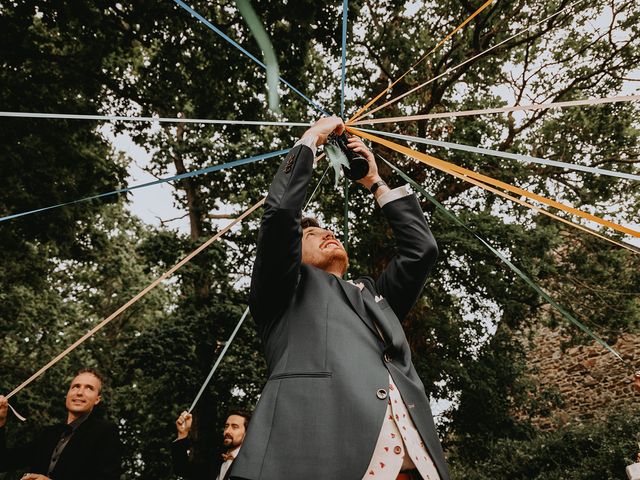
[358, 165]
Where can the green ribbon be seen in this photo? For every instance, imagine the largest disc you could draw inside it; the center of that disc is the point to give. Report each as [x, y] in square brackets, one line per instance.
[270, 59]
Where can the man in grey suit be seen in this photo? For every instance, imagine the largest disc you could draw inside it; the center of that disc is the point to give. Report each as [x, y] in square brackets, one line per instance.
[343, 400]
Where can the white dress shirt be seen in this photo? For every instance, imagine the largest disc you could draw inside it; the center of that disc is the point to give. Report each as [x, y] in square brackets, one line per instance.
[226, 465]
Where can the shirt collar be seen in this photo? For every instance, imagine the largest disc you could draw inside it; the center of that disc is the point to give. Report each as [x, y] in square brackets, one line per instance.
[78, 421]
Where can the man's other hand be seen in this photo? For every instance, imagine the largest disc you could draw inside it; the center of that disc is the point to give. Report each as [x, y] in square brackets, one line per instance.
[323, 128]
[183, 424]
[372, 176]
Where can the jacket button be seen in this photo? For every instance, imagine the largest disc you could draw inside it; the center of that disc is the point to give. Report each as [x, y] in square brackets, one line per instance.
[386, 358]
[381, 394]
[397, 450]
[287, 169]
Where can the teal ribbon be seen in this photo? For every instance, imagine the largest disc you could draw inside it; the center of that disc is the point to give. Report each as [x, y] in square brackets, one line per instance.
[202, 171]
[507, 262]
[345, 9]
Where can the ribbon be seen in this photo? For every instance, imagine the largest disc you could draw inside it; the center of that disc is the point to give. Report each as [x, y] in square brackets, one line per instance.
[442, 42]
[337, 159]
[137, 297]
[215, 168]
[120, 118]
[270, 59]
[517, 108]
[449, 70]
[510, 264]
[326, 170]
[209, 25]
[17, 415]
[513, 156]
[486, 182]
[218, 360]
[345, 9]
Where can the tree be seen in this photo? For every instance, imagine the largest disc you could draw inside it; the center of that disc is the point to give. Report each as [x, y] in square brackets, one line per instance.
[461, 331]
[45, 163]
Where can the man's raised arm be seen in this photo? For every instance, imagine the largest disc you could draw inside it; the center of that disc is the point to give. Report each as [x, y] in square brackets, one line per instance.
[277, 265]
[403, 279]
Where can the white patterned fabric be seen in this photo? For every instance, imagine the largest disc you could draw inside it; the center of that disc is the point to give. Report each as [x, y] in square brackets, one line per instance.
[399, 437]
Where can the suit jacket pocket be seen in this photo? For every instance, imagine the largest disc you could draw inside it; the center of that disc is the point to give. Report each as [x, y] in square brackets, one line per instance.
[285, 375]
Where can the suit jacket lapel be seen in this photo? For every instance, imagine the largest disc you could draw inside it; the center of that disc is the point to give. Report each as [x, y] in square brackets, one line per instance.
[355, 298]
[374, 310]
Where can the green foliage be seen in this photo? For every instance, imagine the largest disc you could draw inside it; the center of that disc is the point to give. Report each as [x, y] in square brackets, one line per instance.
[599, 450]
[55, 63]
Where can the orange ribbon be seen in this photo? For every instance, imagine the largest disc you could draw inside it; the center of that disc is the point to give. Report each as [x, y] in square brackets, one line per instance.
[492, 185]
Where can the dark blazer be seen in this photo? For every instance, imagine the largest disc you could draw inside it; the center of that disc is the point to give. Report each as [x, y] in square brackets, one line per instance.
[322, 408]
[93, 452]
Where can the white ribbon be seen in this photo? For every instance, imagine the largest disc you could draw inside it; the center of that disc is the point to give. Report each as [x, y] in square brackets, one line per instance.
[513, 156]
[534, 106]
[120, 118]
[18, 416]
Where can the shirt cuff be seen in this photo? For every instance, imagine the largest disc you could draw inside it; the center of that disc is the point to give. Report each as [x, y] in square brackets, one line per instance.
[309, 141]
[394, 194]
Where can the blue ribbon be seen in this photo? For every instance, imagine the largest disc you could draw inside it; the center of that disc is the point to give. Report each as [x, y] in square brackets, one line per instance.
[345, 8]
[243, 50]
[215, 168]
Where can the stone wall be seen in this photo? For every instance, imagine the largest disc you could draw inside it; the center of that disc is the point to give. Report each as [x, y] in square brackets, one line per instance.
[590, 380]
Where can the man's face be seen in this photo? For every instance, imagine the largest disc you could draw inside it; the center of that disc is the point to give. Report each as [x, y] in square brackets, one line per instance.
[83, 394]
[234, 430]
[323, 250]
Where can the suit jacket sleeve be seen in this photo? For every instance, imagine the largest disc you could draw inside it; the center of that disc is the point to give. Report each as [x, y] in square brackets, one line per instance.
[16, 457]
[279, 252]
[403, 279]
[180, 458]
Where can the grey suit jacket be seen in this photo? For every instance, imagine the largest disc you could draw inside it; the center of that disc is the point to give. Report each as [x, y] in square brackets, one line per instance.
[322, 408]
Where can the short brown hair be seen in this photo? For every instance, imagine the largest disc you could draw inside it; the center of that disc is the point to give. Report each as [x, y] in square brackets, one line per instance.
[93, 372]
[307, 222]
